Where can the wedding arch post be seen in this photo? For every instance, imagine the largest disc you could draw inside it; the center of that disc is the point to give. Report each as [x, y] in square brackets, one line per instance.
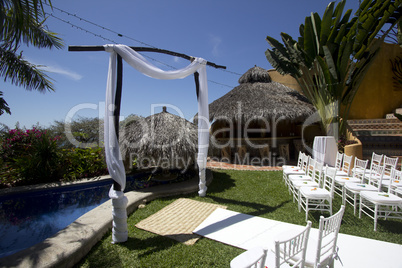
[118, 53]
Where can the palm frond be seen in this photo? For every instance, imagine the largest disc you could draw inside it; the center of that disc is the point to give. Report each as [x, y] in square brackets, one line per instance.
[4, 105]
[24, 22]
[22, 73]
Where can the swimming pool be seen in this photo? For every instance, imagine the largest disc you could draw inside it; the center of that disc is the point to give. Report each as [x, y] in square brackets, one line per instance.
[31, 217]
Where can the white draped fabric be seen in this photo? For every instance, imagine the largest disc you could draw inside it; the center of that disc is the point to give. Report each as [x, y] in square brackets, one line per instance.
[324, 150]
[113, 156]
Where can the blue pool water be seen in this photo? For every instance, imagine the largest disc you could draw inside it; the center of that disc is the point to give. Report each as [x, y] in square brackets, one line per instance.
[31, 217]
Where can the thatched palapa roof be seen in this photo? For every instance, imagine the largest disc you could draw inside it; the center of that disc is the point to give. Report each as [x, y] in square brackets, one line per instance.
[166, 139]
[258, 97]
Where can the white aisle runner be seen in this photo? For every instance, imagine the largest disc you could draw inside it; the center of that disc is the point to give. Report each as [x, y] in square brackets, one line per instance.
[246, 231]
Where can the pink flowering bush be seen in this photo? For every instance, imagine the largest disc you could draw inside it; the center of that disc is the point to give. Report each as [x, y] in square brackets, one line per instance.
[34, 156]
[29, 156]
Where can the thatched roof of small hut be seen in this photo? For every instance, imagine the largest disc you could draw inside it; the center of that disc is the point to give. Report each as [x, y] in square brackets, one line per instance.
[257, 96]
[167, 139]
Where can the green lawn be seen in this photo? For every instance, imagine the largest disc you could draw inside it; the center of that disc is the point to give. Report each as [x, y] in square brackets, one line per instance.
[256, 193]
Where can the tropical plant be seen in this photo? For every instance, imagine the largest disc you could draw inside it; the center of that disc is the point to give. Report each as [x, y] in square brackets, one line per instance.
[332, 55]
[29, 156]
[395, 35]
[83, 163]
[22, 22]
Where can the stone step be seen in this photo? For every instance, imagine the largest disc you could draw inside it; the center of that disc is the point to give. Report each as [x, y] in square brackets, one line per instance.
[376, 127]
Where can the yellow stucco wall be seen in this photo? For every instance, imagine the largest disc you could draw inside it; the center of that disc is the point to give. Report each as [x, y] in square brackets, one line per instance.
[286, 80]
[377, 96]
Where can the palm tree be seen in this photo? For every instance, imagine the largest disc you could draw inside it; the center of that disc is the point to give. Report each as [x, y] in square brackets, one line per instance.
[333, 54]
[22, 22]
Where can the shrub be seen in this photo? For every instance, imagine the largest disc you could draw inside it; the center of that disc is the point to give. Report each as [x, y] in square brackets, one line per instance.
[83, 163]
[34, 156]
[29, 156]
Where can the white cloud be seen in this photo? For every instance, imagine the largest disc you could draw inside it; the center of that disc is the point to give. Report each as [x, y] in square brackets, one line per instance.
[54, 68]
[215, 41]
[60, 70]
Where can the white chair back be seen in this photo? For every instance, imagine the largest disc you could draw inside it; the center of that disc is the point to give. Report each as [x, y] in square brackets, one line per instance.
[389, 163]
[359, 169]
[396, 177]
[311, 167]
[338, 160]
[329, 180]
[318, 172]
[346, 164]
[376, 158]
[300, 159]
[376, 174]
[305, 161]
[286, 250]
[327, 238]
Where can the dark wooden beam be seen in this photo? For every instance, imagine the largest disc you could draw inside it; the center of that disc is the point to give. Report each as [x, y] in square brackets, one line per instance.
[117, 100]
[144, 49]
[117, 105]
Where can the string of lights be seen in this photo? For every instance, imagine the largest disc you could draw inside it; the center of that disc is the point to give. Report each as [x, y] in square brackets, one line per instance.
[130, 38]
[119, 34]
[102, 37]
[80, 28]
[100, 26]
[114, 42]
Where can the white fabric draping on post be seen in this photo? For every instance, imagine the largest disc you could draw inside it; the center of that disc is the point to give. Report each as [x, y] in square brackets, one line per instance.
[113, 155]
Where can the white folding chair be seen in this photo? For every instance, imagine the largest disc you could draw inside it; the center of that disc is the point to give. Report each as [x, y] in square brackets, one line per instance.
[375, 159]
[299, 162]
[389, 163]
[338, 160]
[385, 205]
[357, 175]
[314, 182]
[396, 186]
[321, 252]
[346, 165]
[377, 177]
[318, 198]
[298, 171]
[308, 176]
[394, 179]
[352, 189]
[360, 168]
[286, 248]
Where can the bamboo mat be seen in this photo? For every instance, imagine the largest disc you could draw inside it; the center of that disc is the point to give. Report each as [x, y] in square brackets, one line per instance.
[179, 219]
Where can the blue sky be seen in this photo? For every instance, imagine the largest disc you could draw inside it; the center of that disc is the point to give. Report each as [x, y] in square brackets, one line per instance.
[229, 33]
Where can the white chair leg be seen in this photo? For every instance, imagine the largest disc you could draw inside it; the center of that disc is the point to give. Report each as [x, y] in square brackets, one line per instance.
[307, 209]
[298, 201]
[343, 196]
[375, 217]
